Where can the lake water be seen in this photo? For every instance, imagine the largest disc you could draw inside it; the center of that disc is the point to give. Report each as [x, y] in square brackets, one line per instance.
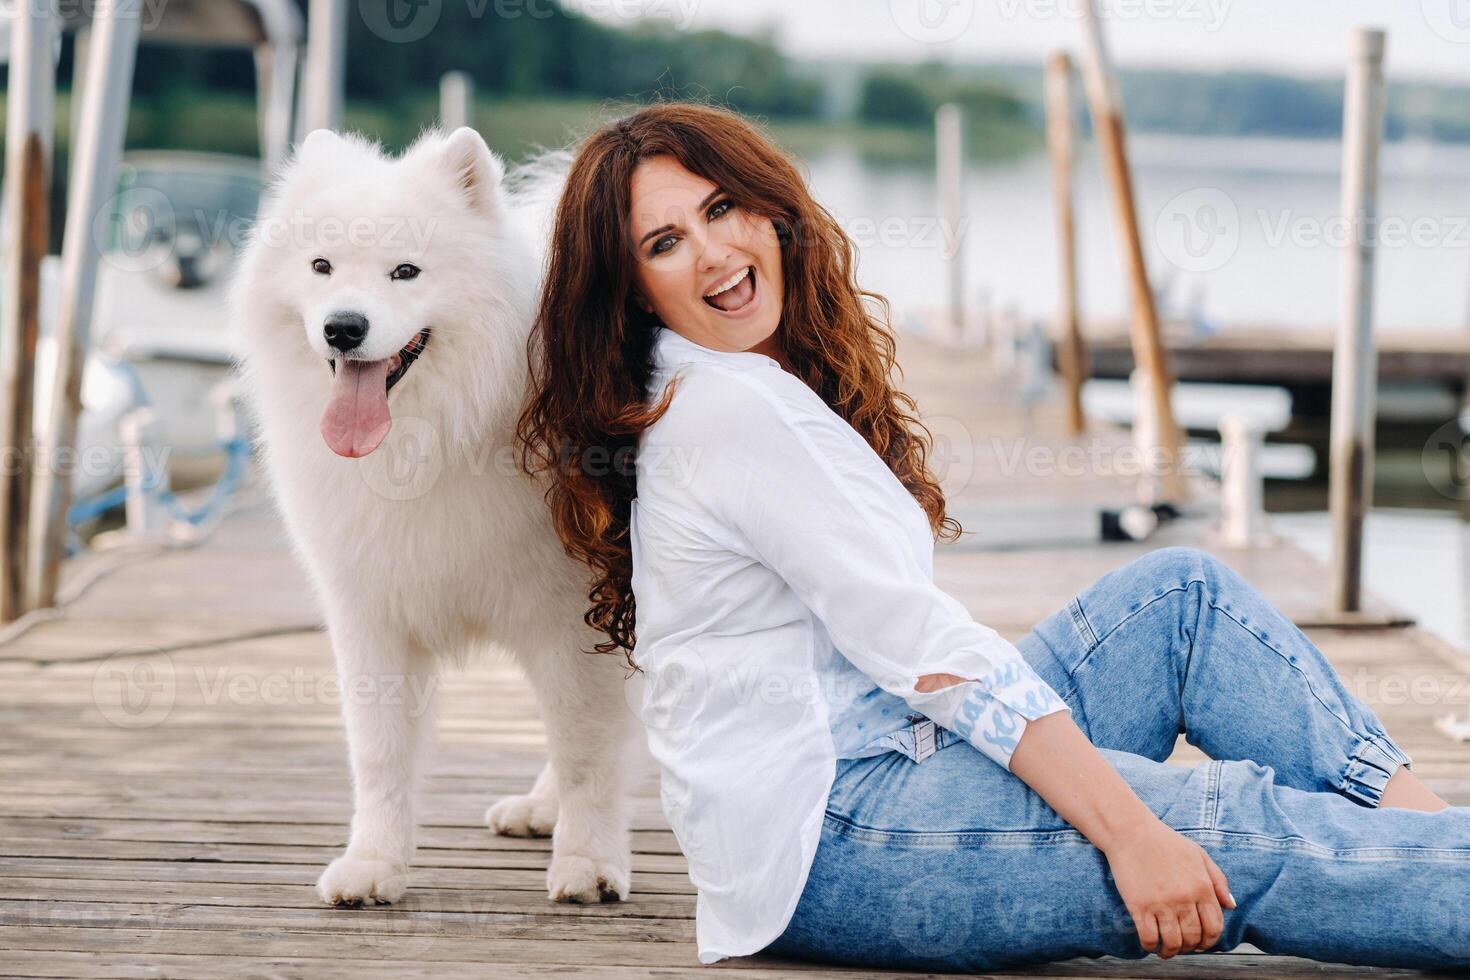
[1243, 230]
[1237, 231]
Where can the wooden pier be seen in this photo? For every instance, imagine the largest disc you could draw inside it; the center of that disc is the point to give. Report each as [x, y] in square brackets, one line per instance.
[174, 766]
[1287, 356]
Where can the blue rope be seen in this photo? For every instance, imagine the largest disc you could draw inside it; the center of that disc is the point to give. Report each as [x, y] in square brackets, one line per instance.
[237, 456]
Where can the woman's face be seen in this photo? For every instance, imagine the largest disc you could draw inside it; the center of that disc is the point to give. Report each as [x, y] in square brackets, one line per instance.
[711, 271]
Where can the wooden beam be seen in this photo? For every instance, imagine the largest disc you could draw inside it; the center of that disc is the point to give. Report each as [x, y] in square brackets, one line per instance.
[949, 154]
[1355, 367]
[30, 120]
[96, 151]
[1148, 349]
[1061, 145]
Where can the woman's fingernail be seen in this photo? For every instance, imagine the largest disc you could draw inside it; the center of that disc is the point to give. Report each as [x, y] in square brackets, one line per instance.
[1232, 899]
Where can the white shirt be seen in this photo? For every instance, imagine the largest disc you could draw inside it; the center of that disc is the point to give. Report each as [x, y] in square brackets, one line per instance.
[766, 531]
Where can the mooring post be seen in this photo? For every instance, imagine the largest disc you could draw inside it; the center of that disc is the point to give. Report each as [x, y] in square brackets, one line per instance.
[30, 105]
[456, 100]
[950, 162]
[1355, 359]
[1061, 144]
[1106, 107]
[96, 150]
[326, 64]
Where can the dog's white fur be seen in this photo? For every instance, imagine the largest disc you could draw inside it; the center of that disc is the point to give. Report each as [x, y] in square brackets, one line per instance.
[434, 546]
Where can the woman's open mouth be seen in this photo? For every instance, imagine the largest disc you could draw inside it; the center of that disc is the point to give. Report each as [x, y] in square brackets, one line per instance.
[735, 293]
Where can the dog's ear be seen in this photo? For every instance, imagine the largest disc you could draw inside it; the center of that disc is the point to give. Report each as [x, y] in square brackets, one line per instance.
[475, 170]
[317, 143]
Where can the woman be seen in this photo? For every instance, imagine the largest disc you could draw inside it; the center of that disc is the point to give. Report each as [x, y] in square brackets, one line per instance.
[856, 770]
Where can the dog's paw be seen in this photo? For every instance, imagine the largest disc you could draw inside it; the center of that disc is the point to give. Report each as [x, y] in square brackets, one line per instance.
[351, 880]
[523, 816]
[576, 878]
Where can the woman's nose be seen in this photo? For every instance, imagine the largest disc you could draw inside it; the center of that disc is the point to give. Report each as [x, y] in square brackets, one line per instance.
[714, 254]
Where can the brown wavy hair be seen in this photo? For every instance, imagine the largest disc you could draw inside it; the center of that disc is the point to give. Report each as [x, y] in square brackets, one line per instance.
[591, 347]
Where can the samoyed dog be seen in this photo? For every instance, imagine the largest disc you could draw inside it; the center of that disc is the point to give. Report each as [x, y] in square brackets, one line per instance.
[383, 306]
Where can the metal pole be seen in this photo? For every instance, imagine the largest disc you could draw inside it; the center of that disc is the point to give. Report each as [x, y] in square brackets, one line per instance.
[326, 44]
[275, 83]
[1355, 360]
[949, 156]
[456, 100]
[30, 105]
[96, 151]
[1149, 353]
[1060, 141]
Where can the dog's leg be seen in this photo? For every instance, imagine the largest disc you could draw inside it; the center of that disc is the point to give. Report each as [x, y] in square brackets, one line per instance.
[588, 722]
[531, 815]
[387, 704]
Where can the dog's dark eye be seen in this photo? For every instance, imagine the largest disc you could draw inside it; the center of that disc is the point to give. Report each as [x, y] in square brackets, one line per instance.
[405, 271]
[321, 267]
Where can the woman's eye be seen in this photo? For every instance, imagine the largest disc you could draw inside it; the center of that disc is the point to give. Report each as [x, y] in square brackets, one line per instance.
[321, 267]
[719, 208]
[663, 244]
[405, 271]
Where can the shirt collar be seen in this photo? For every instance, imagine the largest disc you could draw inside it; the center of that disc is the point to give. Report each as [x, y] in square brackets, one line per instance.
[671, 349]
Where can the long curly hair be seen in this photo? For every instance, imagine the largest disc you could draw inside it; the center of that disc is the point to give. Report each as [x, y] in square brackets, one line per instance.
[590, 350]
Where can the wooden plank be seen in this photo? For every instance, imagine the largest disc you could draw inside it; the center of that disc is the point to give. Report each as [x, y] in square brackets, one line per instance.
[203, 832]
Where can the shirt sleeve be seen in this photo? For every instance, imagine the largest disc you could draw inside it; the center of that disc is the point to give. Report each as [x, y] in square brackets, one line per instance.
[816, 505]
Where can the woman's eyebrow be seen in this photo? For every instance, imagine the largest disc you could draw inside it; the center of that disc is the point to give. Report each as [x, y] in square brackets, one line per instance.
[702, 205]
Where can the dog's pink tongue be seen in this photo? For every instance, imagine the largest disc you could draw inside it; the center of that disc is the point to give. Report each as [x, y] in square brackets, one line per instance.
[357, 418]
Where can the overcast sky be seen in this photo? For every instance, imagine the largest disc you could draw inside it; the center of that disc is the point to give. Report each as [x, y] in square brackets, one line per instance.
[1426, 38]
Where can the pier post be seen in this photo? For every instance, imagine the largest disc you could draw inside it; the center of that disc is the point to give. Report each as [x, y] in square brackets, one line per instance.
[456, 100]
[96, 149]
[1061, 145]
[30, 105]
[1355, 359]
[1106, 107]
[950, 162]
[326, 63]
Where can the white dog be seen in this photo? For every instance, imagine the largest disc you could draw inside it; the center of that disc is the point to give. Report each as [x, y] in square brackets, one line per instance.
[384, 306]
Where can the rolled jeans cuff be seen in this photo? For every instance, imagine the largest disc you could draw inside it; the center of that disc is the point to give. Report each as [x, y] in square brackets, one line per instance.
[1370, 767]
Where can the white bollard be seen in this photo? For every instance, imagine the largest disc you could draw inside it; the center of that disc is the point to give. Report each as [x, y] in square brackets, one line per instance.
[146, 516]
[1145, 437]
[1242, 485]
[456, 100]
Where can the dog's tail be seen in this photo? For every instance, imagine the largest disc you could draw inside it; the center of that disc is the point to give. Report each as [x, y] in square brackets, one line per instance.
[535, 187]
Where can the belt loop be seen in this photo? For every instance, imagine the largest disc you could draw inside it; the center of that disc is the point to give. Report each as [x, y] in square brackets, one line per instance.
[923, 730]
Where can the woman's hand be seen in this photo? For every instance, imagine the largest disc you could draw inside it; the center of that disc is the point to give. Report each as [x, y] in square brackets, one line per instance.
[1172, 888]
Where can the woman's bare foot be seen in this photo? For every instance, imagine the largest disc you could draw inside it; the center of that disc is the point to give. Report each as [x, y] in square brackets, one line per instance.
[1406, 791]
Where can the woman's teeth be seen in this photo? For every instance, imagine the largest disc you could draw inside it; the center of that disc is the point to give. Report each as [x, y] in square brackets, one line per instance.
[735, 293]
[730, 283]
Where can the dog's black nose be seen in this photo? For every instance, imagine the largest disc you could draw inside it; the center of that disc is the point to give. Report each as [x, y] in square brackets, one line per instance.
[345, 330]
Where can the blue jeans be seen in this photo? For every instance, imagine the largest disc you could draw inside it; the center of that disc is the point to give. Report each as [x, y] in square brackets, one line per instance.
[956, 864]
